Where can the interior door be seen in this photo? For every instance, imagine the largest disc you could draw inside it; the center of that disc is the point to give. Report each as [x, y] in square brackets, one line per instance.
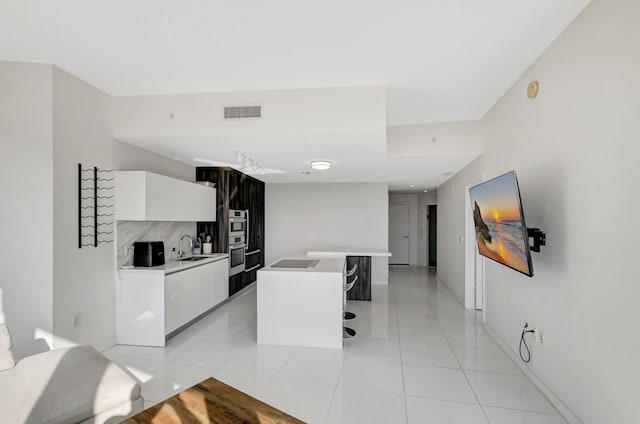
[433, 235]
[399, 234]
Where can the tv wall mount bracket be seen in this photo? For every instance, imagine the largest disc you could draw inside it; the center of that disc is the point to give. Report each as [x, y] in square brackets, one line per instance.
[539, 238]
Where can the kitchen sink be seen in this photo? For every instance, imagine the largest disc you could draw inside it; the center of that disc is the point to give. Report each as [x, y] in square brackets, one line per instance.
[194, 258]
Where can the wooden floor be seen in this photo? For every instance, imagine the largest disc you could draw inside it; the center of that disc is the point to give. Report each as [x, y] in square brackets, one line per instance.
[212, 401]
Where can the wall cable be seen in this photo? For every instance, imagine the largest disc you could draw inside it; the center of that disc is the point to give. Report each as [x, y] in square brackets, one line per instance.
[524, 342]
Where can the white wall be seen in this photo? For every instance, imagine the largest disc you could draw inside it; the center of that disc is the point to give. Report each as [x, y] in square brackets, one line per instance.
[451, 215]
[49, 122]
[576, 139]
[317, 109]
[302, 217]
[414, 157]
[451, 138]
[84, 279]
[26, 170]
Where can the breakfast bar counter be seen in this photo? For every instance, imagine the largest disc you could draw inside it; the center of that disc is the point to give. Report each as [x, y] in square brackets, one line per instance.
[299, 303]
[337, 253]
[371, 265]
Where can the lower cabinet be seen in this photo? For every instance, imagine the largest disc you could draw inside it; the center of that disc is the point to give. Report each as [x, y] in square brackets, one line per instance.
[220, 281]
[177, 301]
[241, 280]
[236, 283]
[152, 305]
[192, 292]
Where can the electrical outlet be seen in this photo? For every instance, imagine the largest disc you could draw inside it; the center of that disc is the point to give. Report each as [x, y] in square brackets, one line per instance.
[539, 336]
[75, 319]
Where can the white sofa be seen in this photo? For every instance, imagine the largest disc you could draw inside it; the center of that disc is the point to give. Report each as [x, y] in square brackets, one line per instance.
[71, 385]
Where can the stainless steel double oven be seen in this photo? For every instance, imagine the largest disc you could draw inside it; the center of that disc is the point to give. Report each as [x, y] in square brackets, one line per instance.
[238, 221]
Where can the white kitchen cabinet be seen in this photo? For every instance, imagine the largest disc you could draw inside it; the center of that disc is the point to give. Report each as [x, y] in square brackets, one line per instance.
[177, 300]
[220, 281]
[200, 280]
[151, 304]
[185, 201]
[206, 208]
[139, 303]
[191, 293]
[145, 196]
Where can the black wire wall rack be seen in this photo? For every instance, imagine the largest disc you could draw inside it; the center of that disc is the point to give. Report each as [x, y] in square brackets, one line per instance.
[95, 206]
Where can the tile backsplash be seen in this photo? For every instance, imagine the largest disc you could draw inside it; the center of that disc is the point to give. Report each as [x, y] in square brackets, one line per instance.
[129, 232]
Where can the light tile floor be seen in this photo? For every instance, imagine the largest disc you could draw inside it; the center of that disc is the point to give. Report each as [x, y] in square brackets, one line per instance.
[418, 357]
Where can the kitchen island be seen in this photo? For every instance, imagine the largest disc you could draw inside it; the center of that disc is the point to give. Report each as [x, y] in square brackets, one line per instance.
[300, 305]
[366, 270]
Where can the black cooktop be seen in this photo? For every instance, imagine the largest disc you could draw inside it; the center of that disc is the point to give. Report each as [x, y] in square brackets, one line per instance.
[295, 263]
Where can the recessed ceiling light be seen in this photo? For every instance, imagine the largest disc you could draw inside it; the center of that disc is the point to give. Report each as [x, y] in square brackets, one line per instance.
[412, 185]
[320, 164]
[426, 191]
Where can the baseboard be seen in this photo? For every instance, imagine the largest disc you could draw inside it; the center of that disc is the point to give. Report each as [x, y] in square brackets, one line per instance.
[105, 344]
[244, 290]
[207, 312]
[460, 301]
[555, 400]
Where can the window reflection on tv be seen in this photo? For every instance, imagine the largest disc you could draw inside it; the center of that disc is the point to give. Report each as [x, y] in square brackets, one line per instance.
[501, 233]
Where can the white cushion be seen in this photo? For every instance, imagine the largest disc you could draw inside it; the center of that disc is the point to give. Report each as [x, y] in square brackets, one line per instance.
[63, 386]
[6, 356]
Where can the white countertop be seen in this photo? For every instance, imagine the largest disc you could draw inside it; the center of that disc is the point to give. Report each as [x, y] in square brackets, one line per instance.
[347, 252]
[171, 267]
[324, 265]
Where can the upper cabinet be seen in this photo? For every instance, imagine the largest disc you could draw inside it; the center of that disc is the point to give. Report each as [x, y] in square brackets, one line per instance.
[145, 196]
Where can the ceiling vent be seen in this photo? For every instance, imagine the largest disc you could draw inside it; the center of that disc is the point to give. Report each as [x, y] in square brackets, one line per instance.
[242, 112]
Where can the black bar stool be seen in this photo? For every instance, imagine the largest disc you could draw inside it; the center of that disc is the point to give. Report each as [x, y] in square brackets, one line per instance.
[348, 315]
[347, 332]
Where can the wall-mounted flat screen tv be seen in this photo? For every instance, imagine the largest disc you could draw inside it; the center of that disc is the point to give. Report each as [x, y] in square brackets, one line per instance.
[501, 233]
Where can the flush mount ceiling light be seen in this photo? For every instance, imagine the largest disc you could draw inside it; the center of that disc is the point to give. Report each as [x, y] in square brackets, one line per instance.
[320, 164]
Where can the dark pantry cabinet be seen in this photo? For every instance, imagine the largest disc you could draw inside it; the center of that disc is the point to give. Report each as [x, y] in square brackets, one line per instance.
[236, 190]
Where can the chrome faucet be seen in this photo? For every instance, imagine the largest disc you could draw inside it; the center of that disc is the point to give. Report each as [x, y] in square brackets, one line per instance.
[180, 251]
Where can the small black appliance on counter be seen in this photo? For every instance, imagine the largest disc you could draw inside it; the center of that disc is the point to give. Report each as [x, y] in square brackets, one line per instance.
[148, 253]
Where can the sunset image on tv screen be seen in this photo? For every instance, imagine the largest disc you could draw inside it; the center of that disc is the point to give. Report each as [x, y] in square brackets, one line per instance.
[498, 223]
